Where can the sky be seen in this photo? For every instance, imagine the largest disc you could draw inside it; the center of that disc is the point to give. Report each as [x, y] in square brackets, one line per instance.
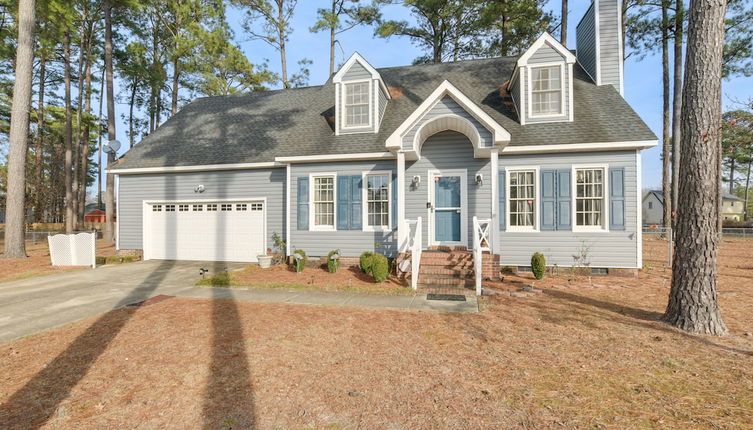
[643, 87]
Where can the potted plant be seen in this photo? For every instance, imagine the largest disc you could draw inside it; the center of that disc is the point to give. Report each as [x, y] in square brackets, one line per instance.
[265, 260]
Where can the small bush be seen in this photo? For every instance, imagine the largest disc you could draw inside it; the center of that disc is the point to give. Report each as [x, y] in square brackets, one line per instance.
[538, 265]
[333, 265]
[380, 268]
[365, 262]
[221, 279]
[299, 264]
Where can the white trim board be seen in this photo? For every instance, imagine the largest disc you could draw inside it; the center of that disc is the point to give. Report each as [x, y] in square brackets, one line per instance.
[197, 168]
[546, 38]
[336, 157]
[579, 147]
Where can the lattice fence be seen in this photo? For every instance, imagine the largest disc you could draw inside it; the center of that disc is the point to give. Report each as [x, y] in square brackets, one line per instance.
[73, 249]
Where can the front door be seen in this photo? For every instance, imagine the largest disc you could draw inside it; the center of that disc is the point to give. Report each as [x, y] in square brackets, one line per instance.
[447, 208]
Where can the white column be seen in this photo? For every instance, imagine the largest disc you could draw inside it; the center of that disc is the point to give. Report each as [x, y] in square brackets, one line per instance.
[494, 177]
[287, 209]
[401, 201]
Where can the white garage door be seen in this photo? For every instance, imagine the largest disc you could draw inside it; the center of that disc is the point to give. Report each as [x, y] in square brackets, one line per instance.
[204, 231]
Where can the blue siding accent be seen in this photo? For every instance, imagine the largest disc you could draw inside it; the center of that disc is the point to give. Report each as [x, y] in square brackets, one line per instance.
[349, 202]
[502, 200]
[303, 203]
[564, 200]
[617, 198]
[548, 200]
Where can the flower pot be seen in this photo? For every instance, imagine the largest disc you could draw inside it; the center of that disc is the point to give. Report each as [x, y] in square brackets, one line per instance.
[265, 261]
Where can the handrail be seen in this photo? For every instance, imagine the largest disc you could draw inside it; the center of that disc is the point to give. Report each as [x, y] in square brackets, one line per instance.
[481, 242]
[414, 245]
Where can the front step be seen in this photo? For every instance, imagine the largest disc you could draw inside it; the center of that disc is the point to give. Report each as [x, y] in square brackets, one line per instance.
[449, 270]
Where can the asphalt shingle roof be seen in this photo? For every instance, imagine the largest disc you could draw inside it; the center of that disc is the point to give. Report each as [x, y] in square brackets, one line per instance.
[260, 126]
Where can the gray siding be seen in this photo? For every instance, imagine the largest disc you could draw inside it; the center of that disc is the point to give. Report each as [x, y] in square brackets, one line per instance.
[547, 54]
[350, 242]
[607, 249]
[382, 102]
[235, 184]
[609, 41]
[356, 73]
[586, 42]
[448, 150]
[444, 107]
[514, 89]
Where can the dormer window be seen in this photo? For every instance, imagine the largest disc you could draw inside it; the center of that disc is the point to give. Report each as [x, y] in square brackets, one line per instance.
[357, 104]
[546, 91]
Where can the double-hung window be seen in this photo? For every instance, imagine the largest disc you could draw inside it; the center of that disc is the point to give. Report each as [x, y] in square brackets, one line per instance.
[323, 202]
[357, 104]
[546, 91]
[377, 201]
[522, 199]
[589, 198]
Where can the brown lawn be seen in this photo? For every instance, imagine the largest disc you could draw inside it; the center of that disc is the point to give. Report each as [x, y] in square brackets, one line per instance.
[38, 261]
[575, 357]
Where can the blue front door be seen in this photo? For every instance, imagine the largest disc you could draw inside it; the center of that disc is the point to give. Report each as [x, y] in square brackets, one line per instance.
[447, 209]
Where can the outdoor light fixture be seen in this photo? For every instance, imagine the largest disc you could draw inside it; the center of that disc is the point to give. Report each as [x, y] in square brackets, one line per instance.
[199, 189]
[203, 271]
[479, 179]
[416, 181]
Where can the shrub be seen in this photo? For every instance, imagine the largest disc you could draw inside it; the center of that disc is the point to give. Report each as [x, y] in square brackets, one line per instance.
[538, 265]
[299, 264]
[365, 262]
[333, 265]
[380, 267]
[116, 259]
[221, 279]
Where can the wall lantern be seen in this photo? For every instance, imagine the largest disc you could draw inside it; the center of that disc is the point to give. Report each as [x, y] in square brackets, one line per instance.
[416, 181]
[479, 179]
[199, 189]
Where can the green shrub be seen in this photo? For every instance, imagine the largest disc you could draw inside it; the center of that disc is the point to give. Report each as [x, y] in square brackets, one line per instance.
[221, 279]
[299, 264]
[538, 265]
[365, 261]
[333, 265]
[380, 268]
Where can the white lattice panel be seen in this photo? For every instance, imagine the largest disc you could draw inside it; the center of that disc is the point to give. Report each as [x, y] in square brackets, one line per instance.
[72, 249]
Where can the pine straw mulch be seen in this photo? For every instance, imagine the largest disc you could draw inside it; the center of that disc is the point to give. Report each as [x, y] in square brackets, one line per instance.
[38, 261]
[578, 357]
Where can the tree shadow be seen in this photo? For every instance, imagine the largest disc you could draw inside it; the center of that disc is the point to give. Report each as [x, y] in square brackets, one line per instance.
[36, 402]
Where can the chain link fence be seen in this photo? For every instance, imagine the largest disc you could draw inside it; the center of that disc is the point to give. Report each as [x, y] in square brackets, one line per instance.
[34, 237]
[658, 242]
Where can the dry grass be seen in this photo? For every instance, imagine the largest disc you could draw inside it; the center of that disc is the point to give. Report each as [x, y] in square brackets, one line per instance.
[575, 357]
[38, 261]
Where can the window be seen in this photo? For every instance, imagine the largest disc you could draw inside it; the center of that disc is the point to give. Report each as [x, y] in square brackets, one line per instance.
[546, 91]
[169, 208]
[183, 208]
[256, 206]
[324, 201]
[522, 199]
[226, 207]
[241, 207]
[589, 197]
[650, 205]
[212, 208]
[198, 208]
[156, 208]
[357, 104]
[377, 201]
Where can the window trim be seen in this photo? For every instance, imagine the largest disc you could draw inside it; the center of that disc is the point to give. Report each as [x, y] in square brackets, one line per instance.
[365, 204]
[536, 192]
[604, 228]
[312, 207]
[344, 97]
[529, 90]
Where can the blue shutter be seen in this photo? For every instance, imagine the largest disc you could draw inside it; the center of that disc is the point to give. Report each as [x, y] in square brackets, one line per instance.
[548, 200]
[394, 201]
[355, 202]
[564, 200]
[502, 190]
[303, 204]
[617, 198]
[343, 202]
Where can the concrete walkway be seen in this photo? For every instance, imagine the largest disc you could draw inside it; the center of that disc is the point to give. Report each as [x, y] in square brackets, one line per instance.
[31, 305]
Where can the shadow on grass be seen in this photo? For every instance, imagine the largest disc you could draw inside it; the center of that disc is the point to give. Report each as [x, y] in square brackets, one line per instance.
[35, 403]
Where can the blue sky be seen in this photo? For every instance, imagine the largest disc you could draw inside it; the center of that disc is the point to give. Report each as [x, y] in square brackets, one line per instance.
[642, 78]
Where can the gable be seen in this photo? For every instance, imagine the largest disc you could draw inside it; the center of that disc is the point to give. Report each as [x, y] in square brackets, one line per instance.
[446, 106]
[546, 54]
[356, 72]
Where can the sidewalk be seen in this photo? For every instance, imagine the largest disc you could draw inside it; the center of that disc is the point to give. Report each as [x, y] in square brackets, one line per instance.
[416, 302]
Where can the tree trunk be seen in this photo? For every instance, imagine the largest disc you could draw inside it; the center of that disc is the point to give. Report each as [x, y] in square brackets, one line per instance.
[666, 190]
[131, 102]
[281, 36]
[677, 104]
[332, 41]
[79, 109]
[85, 137]
[732, 174]
[176, 61]
[99, 142]
[110, 200]
[68, 134]
[693, 305]
[15, 246]
[38, 207]
[563, 25]
[747, 188]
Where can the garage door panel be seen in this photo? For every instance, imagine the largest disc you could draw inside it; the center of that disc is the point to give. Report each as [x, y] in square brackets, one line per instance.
[206, 232]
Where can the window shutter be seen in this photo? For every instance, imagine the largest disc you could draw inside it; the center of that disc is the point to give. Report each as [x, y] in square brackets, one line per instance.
[393, 215]
[343, 202]
[617, 198]
[502, 190]
[564, 200]
[303, 204]
[355, 202]
[548, 200]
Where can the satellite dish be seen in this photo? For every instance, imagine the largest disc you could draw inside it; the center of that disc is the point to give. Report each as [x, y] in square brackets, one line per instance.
[111, 147]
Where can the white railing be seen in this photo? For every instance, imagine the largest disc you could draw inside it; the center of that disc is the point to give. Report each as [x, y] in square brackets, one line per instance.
[482, 230]
[413, 244]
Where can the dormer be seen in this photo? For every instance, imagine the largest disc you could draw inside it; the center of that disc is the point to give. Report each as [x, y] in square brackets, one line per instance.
[542, 83]
[360, 97]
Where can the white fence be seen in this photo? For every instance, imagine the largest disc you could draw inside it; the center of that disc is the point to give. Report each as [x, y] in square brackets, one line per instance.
[73, 249]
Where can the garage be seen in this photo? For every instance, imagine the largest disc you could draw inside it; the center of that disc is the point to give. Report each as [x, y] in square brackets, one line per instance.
[204, 230]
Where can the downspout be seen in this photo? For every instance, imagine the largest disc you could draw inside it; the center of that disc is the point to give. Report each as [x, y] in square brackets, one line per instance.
[287, 209]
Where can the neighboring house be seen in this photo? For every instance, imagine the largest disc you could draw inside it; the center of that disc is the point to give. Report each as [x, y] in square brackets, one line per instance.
[543, 144]
[733, 208]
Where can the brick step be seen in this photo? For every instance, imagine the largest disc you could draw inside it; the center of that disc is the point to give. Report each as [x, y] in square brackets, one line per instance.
[444, 281]
[447, 270]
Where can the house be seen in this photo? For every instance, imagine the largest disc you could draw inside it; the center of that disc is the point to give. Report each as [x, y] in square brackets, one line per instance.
[733, 207]
[541, 148]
